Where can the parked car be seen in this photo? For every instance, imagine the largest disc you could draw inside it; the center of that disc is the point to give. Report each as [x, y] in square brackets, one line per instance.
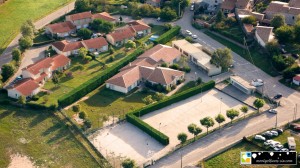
[268, 142]
[283, 51]
[192, 7]
[278, 96]
[268, 134]
[158, 19]
[296, 56]
[276, 149]
[279, 146]
[274, 133]
[284, 150]
[194, 36]
[274, 111]
[188, 32]
[257, 82]
[280, 131]
[259, 137]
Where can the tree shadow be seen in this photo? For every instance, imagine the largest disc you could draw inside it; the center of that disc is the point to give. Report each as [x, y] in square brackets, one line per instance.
[62, 133]
[5, 114]
[52, 129]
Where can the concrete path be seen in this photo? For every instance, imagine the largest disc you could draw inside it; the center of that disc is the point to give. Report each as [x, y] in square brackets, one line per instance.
[6, 55]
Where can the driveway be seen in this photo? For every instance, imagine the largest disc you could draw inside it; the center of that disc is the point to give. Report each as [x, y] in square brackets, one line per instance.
[6, 57]
[212, 143]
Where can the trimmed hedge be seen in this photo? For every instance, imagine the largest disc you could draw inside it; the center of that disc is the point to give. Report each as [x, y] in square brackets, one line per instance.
[93, 83]
[159, 136]
[43, 43]
[166, 37]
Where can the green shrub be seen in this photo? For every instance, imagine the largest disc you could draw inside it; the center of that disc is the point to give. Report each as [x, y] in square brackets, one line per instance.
[93, 83]
[164, 38]
[160, 137]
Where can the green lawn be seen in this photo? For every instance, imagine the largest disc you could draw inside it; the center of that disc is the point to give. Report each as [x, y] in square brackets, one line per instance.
[261, 60]
[40, 136]
[107, 102]
[116, 2]
[41, 38]
[14, 13]
[188, 85]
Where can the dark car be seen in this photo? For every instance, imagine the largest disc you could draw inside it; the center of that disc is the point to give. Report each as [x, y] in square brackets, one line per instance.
[280, 131]
[278, 96]
[295, 55]
[283, 51]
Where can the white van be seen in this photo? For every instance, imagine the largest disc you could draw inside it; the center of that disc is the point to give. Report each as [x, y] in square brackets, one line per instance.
[291, 143]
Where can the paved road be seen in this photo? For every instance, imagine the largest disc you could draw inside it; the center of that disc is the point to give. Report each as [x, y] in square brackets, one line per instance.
[6, 55]
[212, 143]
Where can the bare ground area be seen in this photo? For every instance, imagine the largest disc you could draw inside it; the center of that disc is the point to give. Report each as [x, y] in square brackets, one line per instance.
[20, 161]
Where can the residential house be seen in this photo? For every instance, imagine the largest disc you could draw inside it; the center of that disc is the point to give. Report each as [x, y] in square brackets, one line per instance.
[248, 29]
[242, 13]
[155, 3]
[104, 16]
[139, 28]
[264, 34]
[129, 78]
[296, 80]
[120, 37]
[71, 48]
[156, 56]
[80, 20]
[25, 87]
[228, 6]
[197, 56]
[62, 29]
[36, 74]
[289, 10]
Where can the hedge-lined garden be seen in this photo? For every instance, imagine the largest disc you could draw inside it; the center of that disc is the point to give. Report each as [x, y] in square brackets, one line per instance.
[93, 83]
[159, 136]
[166, 37]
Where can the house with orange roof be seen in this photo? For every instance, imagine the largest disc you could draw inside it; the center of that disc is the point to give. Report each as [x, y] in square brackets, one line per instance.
[80, 20]
[62, 29]
[296, 79]
[104, 16]
[26, 87]
[71, 48]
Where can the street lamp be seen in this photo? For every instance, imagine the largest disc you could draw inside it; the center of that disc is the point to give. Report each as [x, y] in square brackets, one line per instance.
[159, 127]
[220, 104]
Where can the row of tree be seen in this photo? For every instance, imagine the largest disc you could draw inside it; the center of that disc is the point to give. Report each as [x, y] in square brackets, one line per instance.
[210, 122]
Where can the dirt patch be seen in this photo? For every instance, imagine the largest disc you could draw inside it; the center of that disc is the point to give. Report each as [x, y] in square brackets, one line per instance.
[77, 119]
[20, 161]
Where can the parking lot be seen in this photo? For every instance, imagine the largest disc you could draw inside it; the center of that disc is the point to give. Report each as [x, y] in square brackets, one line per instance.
[175, 118]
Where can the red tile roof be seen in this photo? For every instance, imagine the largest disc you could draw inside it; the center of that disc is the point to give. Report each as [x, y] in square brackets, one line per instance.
[164, 76]
[161, 53]
[248, 27]
[121, 34]
[42, 76]
[95, 43]
[294, 3]
[79, 16]
[297, 77]
[59, 61]
[25, 86]
[104, 16]
[36, 67]
[65, 46]
[61, 27]
[126, 78]
[228, 4]
[138, 25]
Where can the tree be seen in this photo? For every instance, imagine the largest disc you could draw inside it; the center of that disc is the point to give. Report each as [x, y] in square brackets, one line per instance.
[182, 137]
[285, 33]
[82, 115]
[25, 42]
[159, 96]
[197, 131]
[111, 50]
[297, 31]
[167, 26]
[16, 54]
[250, 20]
[277, 21]
[230, 21]
[194, 129]
[82, 52]
[199, 81]
[273, 47]
[183, 4]
[102, 26]
[168, 14]
[220, 17]
[222, 57]
[85, 33]
[207, 122]
[27, 30]
[55, 79]
[82, 5]
[220, 118]
[281, 63]
[88, 58]
[76, 108]
[7, 71]
[244, 109]
[232, 113]
[258, 103]
[120, 19]
[128, 163]
[130, 44]
[189, 39]
[22, 100]
[148, 99]
[87, 123]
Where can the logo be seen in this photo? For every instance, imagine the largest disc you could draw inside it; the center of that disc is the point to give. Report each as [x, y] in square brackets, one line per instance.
[245, 158]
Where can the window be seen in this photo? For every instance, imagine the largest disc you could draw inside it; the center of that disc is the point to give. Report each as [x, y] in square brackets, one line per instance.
[293, 17]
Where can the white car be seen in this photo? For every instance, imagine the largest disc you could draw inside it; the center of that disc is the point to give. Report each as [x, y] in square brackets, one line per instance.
[276, 149]
[275, 133]
[194, 36]
[284, 150]
[268, 142]
[259, 137]
[274, 111]
[188, 32]
[192, 7]
[279, 146]
[257, 82]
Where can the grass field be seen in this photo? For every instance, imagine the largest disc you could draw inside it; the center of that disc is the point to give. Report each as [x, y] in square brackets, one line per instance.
[41, 137]
[260, 60]
[14, 13]
[107, 102]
